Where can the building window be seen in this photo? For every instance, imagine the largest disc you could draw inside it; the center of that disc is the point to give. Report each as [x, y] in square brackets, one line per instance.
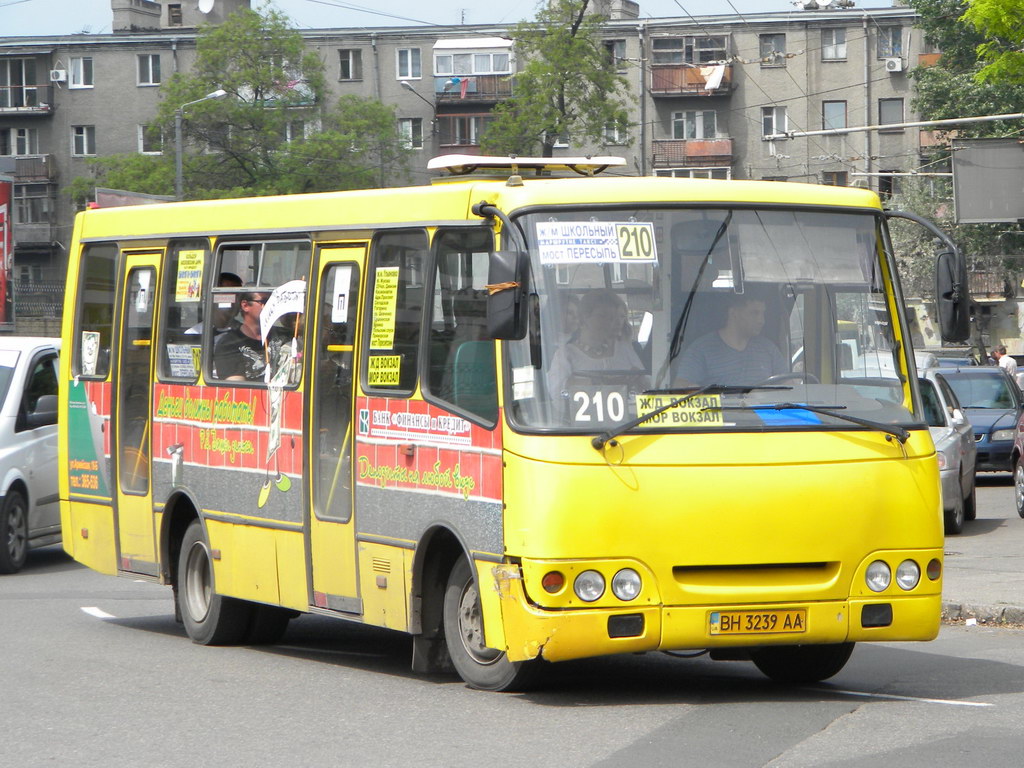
[833, 114]
[18, 84]
[890, 111]
[773, 120]
[833, 44]
[411, 131]
[688, 50]
[18, 142]
[890, 42]
[80, 74]
[887, 185]
[351, 64]
[151, 142]
[772, 50]
[149, 68]
[462, 130]
[834, 178]
[616, 133]
[695, 124]
[31, 204]
[472, 63]
[83, 140]
[616, 50]
[409, 64]
[695, 173]
[174, 15]
[293, 131]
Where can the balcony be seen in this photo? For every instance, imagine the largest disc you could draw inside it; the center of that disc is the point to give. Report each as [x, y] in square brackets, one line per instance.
[37, 168]
[474, 88]
[691, 152]
[26, 234]
[668, 80]
[26, 100]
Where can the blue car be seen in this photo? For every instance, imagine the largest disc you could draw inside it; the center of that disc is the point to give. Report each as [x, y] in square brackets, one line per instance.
[993, 403]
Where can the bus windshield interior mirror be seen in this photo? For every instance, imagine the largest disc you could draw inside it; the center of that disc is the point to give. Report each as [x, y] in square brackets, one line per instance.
[507, 286]
[952, 296]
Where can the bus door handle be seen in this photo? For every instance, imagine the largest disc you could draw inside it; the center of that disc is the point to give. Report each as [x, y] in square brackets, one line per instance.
[407, 449]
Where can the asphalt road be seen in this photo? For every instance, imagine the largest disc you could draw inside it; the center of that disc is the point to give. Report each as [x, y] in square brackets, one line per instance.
[96, 673]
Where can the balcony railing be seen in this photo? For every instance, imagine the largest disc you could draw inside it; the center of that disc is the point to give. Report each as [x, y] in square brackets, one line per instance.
[680, 80]
[472, 88]
[26, 99]
[35, 168]
[33, 233]
[691, 152]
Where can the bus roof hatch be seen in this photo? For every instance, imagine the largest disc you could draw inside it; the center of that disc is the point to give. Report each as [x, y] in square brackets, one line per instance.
[462, 165]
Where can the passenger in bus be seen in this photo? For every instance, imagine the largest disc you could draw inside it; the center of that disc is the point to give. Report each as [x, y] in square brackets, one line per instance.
[736, 353]
[223, 312]
[597, 353]
[239, 354]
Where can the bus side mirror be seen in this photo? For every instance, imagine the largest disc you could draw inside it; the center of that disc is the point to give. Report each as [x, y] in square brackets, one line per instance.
[508, 277]
[952, 296]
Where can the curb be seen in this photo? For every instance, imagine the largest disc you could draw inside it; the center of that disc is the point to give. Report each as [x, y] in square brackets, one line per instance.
[985, 614]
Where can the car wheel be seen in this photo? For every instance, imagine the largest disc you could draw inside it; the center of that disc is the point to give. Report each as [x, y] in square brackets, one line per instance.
[954, 518]
[971, 502]
[481, 667]
[1018, 485]
[13, 533]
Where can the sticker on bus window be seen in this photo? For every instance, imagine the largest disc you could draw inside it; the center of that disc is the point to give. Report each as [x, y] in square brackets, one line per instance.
[700, 411]
[385, 301]
[90, 352]
[596, 242]
[189, 284]
[384, 370]
[183, 360]
[339, 295]
[143, 295]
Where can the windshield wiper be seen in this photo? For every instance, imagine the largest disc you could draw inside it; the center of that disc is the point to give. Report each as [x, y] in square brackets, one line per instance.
[687, 394]
[899, 433]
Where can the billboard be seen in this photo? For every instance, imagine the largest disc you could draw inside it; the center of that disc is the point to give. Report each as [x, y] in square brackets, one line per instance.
[6, 247]
[988, 180]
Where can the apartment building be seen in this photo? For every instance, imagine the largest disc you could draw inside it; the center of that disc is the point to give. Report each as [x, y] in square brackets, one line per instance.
[705, 92]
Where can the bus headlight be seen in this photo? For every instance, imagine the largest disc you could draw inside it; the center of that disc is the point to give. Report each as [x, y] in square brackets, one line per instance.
[588, 586]
[878, 576]
[626, 584]
[908, 574]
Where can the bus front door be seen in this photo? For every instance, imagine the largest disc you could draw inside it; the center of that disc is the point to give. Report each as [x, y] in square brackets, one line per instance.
[332, 546]
[132, 418]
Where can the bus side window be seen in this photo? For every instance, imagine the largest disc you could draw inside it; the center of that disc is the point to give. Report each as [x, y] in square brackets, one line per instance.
[187, 296]
[461, 366]
[395, 311]
[97, 288]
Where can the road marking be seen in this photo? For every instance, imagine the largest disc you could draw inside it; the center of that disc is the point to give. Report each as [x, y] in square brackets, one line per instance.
[948, 702]
[94, 611]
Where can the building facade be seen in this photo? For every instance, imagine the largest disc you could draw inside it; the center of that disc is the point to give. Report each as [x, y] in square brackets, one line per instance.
[705, 92]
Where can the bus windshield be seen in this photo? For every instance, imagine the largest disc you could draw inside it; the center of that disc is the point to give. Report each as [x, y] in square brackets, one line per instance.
[755, 310]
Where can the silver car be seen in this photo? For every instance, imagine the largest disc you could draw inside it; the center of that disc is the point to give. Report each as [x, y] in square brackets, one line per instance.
[955, 446]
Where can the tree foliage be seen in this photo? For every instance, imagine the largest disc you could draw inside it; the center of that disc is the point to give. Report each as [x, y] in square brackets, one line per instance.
[1001, 25]
[273, 133]
[569, 85]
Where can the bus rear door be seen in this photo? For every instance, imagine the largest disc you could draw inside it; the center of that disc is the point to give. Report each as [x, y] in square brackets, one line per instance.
[132, 417]
[332, 545]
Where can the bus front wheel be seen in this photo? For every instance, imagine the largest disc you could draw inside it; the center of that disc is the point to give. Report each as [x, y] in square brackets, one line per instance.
[209, 618]
[801, 663]
[481, 667]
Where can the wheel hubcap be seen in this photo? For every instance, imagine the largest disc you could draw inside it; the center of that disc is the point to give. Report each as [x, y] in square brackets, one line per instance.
[17, 533]
[471, 627]
[1018, 487]
[198, 582]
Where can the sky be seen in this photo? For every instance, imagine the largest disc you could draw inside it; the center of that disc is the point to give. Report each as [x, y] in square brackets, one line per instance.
[65, 17]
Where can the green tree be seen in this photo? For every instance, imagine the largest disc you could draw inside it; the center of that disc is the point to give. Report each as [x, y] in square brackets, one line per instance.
[272, 133]
[1001, 25]
[569, 85]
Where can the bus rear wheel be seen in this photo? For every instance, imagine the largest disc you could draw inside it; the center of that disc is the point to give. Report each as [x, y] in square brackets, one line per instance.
[209, 618]
[801, 663]
[481, 667]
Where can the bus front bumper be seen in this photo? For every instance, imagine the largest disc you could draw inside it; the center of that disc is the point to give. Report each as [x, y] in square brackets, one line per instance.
[529, 632]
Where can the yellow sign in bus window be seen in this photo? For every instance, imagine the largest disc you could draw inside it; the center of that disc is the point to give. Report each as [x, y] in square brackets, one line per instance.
[188, 286]
[385, 300]
[699, 411]
[384, 370]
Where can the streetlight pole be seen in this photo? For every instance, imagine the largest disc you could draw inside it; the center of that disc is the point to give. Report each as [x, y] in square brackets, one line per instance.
[433, 108]
[220, 93]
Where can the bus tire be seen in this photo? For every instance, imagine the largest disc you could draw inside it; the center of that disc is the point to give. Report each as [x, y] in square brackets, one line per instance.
[13, 533]
[481, 667]
[801, 663]
[268, 624]
[209, 618]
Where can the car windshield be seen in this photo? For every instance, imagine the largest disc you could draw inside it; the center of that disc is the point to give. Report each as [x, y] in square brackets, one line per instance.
[757, 307]
[988, 389]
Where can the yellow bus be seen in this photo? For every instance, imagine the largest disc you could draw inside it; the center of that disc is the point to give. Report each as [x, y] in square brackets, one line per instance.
[528, 413]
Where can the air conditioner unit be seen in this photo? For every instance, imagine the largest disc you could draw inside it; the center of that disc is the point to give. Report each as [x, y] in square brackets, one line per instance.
[58, 75]
[894, 64]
